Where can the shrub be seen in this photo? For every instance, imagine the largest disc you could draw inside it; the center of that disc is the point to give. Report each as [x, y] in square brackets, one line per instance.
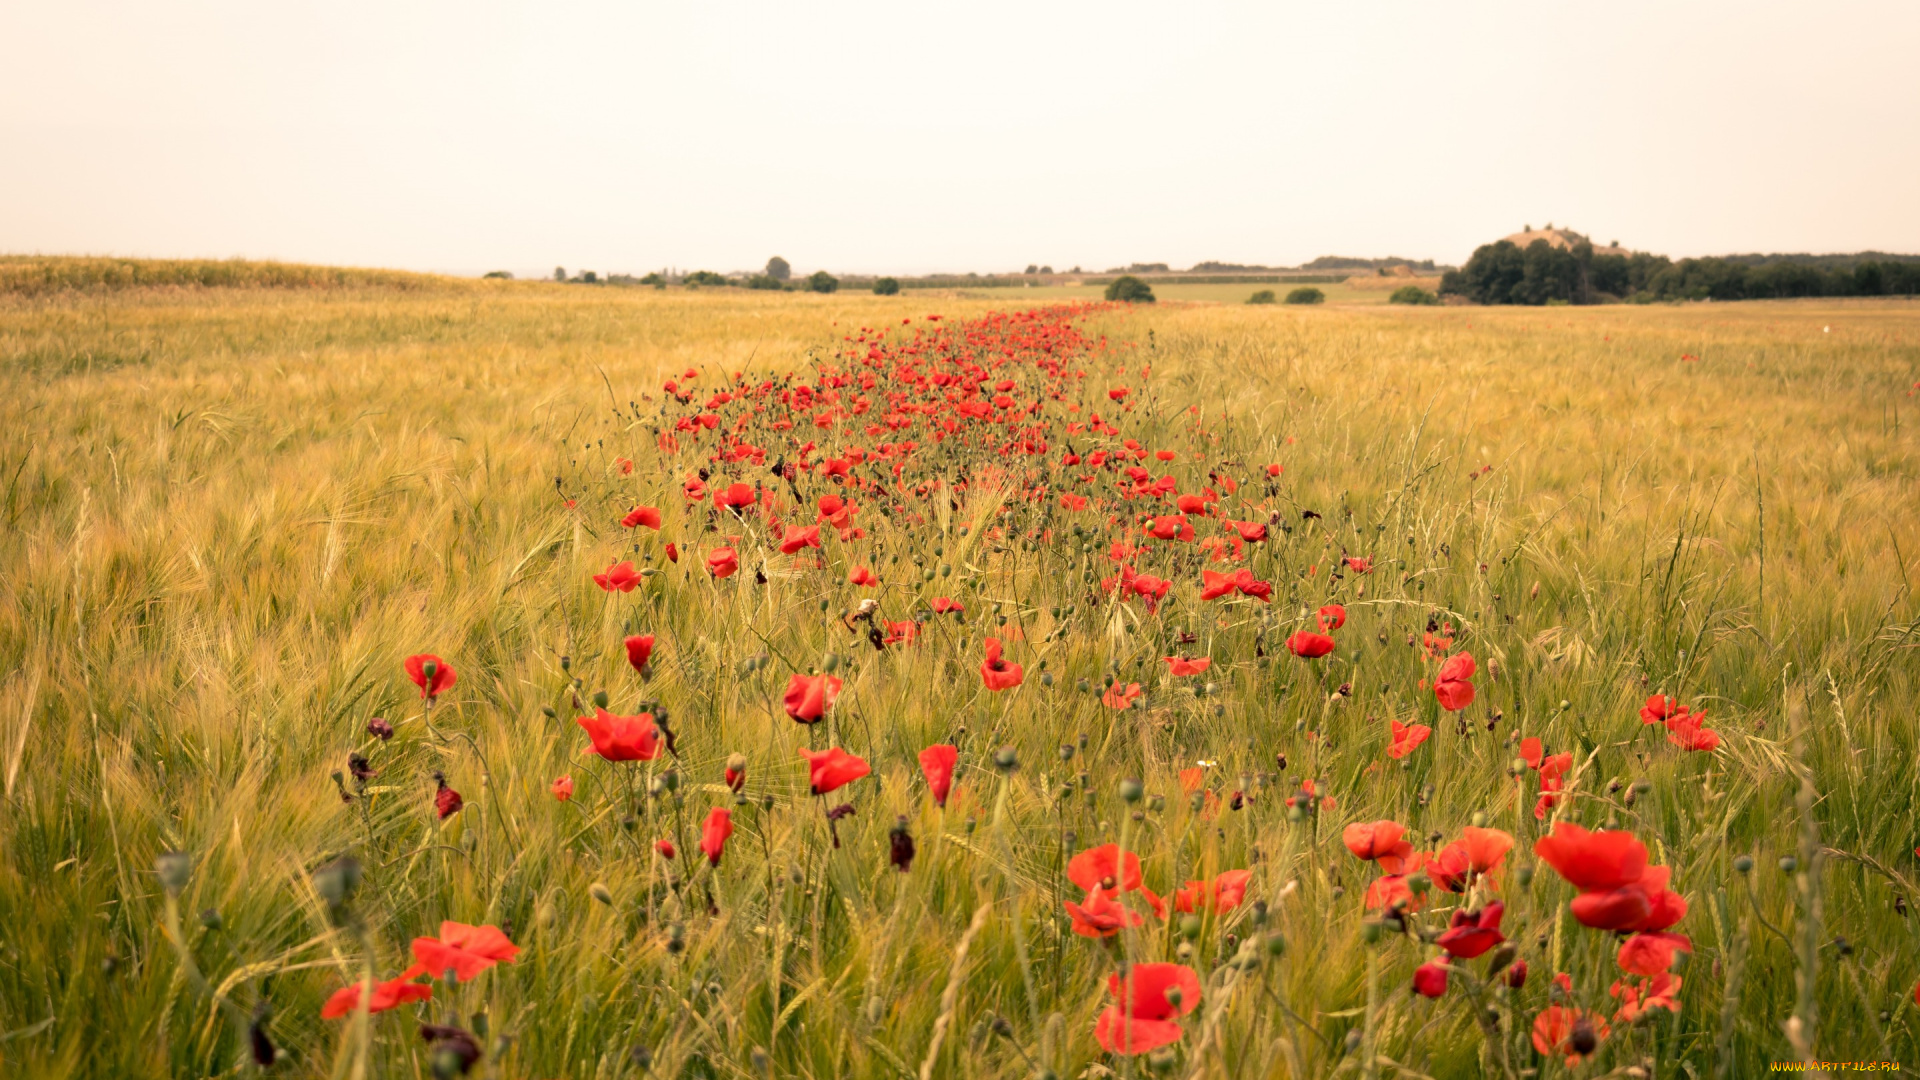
[886, 286]
[778, 270]
[705, 277]
[822, 282]
[498, 275]
[764, 281]
[1264, 296]
[1412, 294]
[654, 279]
[1306, 294]
[1128, 289]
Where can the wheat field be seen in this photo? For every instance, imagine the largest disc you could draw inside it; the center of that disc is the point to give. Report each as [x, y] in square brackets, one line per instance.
[232, 514]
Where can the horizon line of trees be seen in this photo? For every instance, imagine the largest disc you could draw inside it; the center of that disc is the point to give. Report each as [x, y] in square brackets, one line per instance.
[1504, 273]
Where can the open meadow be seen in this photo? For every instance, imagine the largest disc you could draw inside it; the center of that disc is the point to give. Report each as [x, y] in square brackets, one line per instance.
[412, 677]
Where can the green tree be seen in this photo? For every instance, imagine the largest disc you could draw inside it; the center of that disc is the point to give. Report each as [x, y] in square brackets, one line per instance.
[705, 277]
[1128, 289]
[764, 281]
[778, 270]
[886, 286]
[1306, 294]
[559, 273]
[822, 282]
[1263, 296]
[1412, 294]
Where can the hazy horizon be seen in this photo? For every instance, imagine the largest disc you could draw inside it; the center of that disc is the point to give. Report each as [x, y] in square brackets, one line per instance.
[863, 138]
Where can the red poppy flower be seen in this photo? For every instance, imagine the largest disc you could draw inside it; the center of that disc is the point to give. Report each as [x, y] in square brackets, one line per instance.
[642, 515]
[1120, 697]
[833, 768]
[1171, 527]
[1309, 646]
[1430, 978]
[735, 496]
[562, 788]
[464, 950]
[1360, 565]
[1383, 841]
[936, 764]
[696, 489]
[1565, 1030]
[1451, 685]
[809, 697]
[1406, 737]
[1660, 707]
[639, 650]
[1151, 997]
[1658, 992]
[665, 847]
[1104, 867]
[1332, 617]
[1472, 933]
[446, 801]
[622, 738]
[723, 562]
[1118, 393]
[1275, 470]
[1651, 953]
[626, 466]
[620, 577]
[1223, 893]
[673, 552]
[379, 997]
[1592, 861]
[862, 575]
[999, 673]
[800, 536]
[1253, 532]
[713, 835]
[1687, 734]
[1100, 916]
[1391, 891]
[1180, 665]
[942, 605]
[1485, 848]
[431, 684]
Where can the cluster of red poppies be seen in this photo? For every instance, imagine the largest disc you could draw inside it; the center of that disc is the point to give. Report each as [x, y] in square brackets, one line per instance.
[902, 425]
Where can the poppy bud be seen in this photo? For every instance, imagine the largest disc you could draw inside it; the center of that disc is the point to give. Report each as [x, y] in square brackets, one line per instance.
[210, 918]
[900, 846]
[1517, 975]
[736, 773]
[1480, 819]
[600, 699]
[1584, 1040]
[1370, 932]
[174, 868]
[1131, 790]
[665, 847]
[599, 891]
[1505, 954]
[1523, 875]
[1275, 943]
[264, 1054]
[337, 880]
[380, 729]
[1066, 751]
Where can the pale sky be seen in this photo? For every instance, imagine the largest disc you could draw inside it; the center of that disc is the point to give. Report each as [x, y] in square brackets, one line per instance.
[912, 137]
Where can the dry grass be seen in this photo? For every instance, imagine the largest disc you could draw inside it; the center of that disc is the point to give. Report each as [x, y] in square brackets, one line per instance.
[230, 513]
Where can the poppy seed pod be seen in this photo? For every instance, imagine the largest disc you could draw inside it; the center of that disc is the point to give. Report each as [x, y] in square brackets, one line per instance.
[1743, 864]
[1131, 790]
[337, 881]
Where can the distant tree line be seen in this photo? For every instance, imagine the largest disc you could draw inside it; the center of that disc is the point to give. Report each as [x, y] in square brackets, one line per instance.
[1504, 273]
